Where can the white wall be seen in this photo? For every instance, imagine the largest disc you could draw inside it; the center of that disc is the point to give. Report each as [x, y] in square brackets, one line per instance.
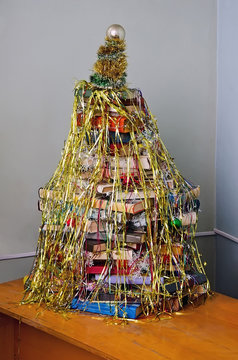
[47, 44]
[227, 118]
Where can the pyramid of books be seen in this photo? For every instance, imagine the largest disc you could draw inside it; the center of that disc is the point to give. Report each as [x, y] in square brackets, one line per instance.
[118, 219]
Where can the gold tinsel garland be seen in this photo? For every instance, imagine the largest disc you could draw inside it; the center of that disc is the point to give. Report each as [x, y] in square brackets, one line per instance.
[70, 200]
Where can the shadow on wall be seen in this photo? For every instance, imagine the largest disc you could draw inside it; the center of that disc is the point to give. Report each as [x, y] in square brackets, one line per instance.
[207, 249]
[221, 256]
[226, 266]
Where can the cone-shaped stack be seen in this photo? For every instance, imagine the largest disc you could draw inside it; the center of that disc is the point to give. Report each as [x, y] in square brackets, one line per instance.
[118, 219]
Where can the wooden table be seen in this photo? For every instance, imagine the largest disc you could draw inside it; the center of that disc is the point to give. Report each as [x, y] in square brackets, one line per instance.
[28, 332]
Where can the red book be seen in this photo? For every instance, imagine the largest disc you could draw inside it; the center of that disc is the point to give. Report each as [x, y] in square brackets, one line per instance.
[120, 269]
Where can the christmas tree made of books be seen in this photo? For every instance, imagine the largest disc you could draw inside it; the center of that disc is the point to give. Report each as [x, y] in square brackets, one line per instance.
[118, 219]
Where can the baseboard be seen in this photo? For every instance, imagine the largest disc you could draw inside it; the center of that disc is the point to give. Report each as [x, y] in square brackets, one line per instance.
[17, 256]
[205, 233]
[224, 234]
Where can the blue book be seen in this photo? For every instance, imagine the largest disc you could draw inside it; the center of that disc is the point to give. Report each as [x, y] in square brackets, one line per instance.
[130, 311]
[117, 139]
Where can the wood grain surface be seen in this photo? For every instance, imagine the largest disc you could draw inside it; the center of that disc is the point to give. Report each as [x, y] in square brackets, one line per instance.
[209, 331]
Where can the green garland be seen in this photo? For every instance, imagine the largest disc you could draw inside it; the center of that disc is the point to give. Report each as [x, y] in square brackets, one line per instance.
[111, 56]
[105, 82]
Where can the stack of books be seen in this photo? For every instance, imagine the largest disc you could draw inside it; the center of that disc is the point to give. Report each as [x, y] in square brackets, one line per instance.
[122, 237]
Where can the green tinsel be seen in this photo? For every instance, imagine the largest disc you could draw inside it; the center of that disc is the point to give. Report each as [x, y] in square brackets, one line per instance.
[104, 82]
[112, 56]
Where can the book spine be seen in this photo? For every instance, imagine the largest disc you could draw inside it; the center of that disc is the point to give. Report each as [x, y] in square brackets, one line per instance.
[133, 163]
[122, 255]
[130, 311]
[189, 218]
[119, 206]
[129, 238]
[130, 280]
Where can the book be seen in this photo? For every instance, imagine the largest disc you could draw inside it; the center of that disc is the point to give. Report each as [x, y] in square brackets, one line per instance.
[91, 227]
[196, 279]
[128, 108]
[95, 269]
[112, 297]
[192, 279]
[94, 245]
[170, 184]
[123, 172]
[95, 214]
[94, 226]
[137, 194]
[104, 187]
[128, 279]
[57, 194]
[172, 304]
[115, 123]
[131, 162]
[126, 150]
[176, 249]
[189, 218]
[130, 311]
[122, 254]
[133, 95]
[132, 207]
[51, 194]
[193, 190]
[115, 138]
[97, 246]
[98, 269]
[135, 237]
[118, 138]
